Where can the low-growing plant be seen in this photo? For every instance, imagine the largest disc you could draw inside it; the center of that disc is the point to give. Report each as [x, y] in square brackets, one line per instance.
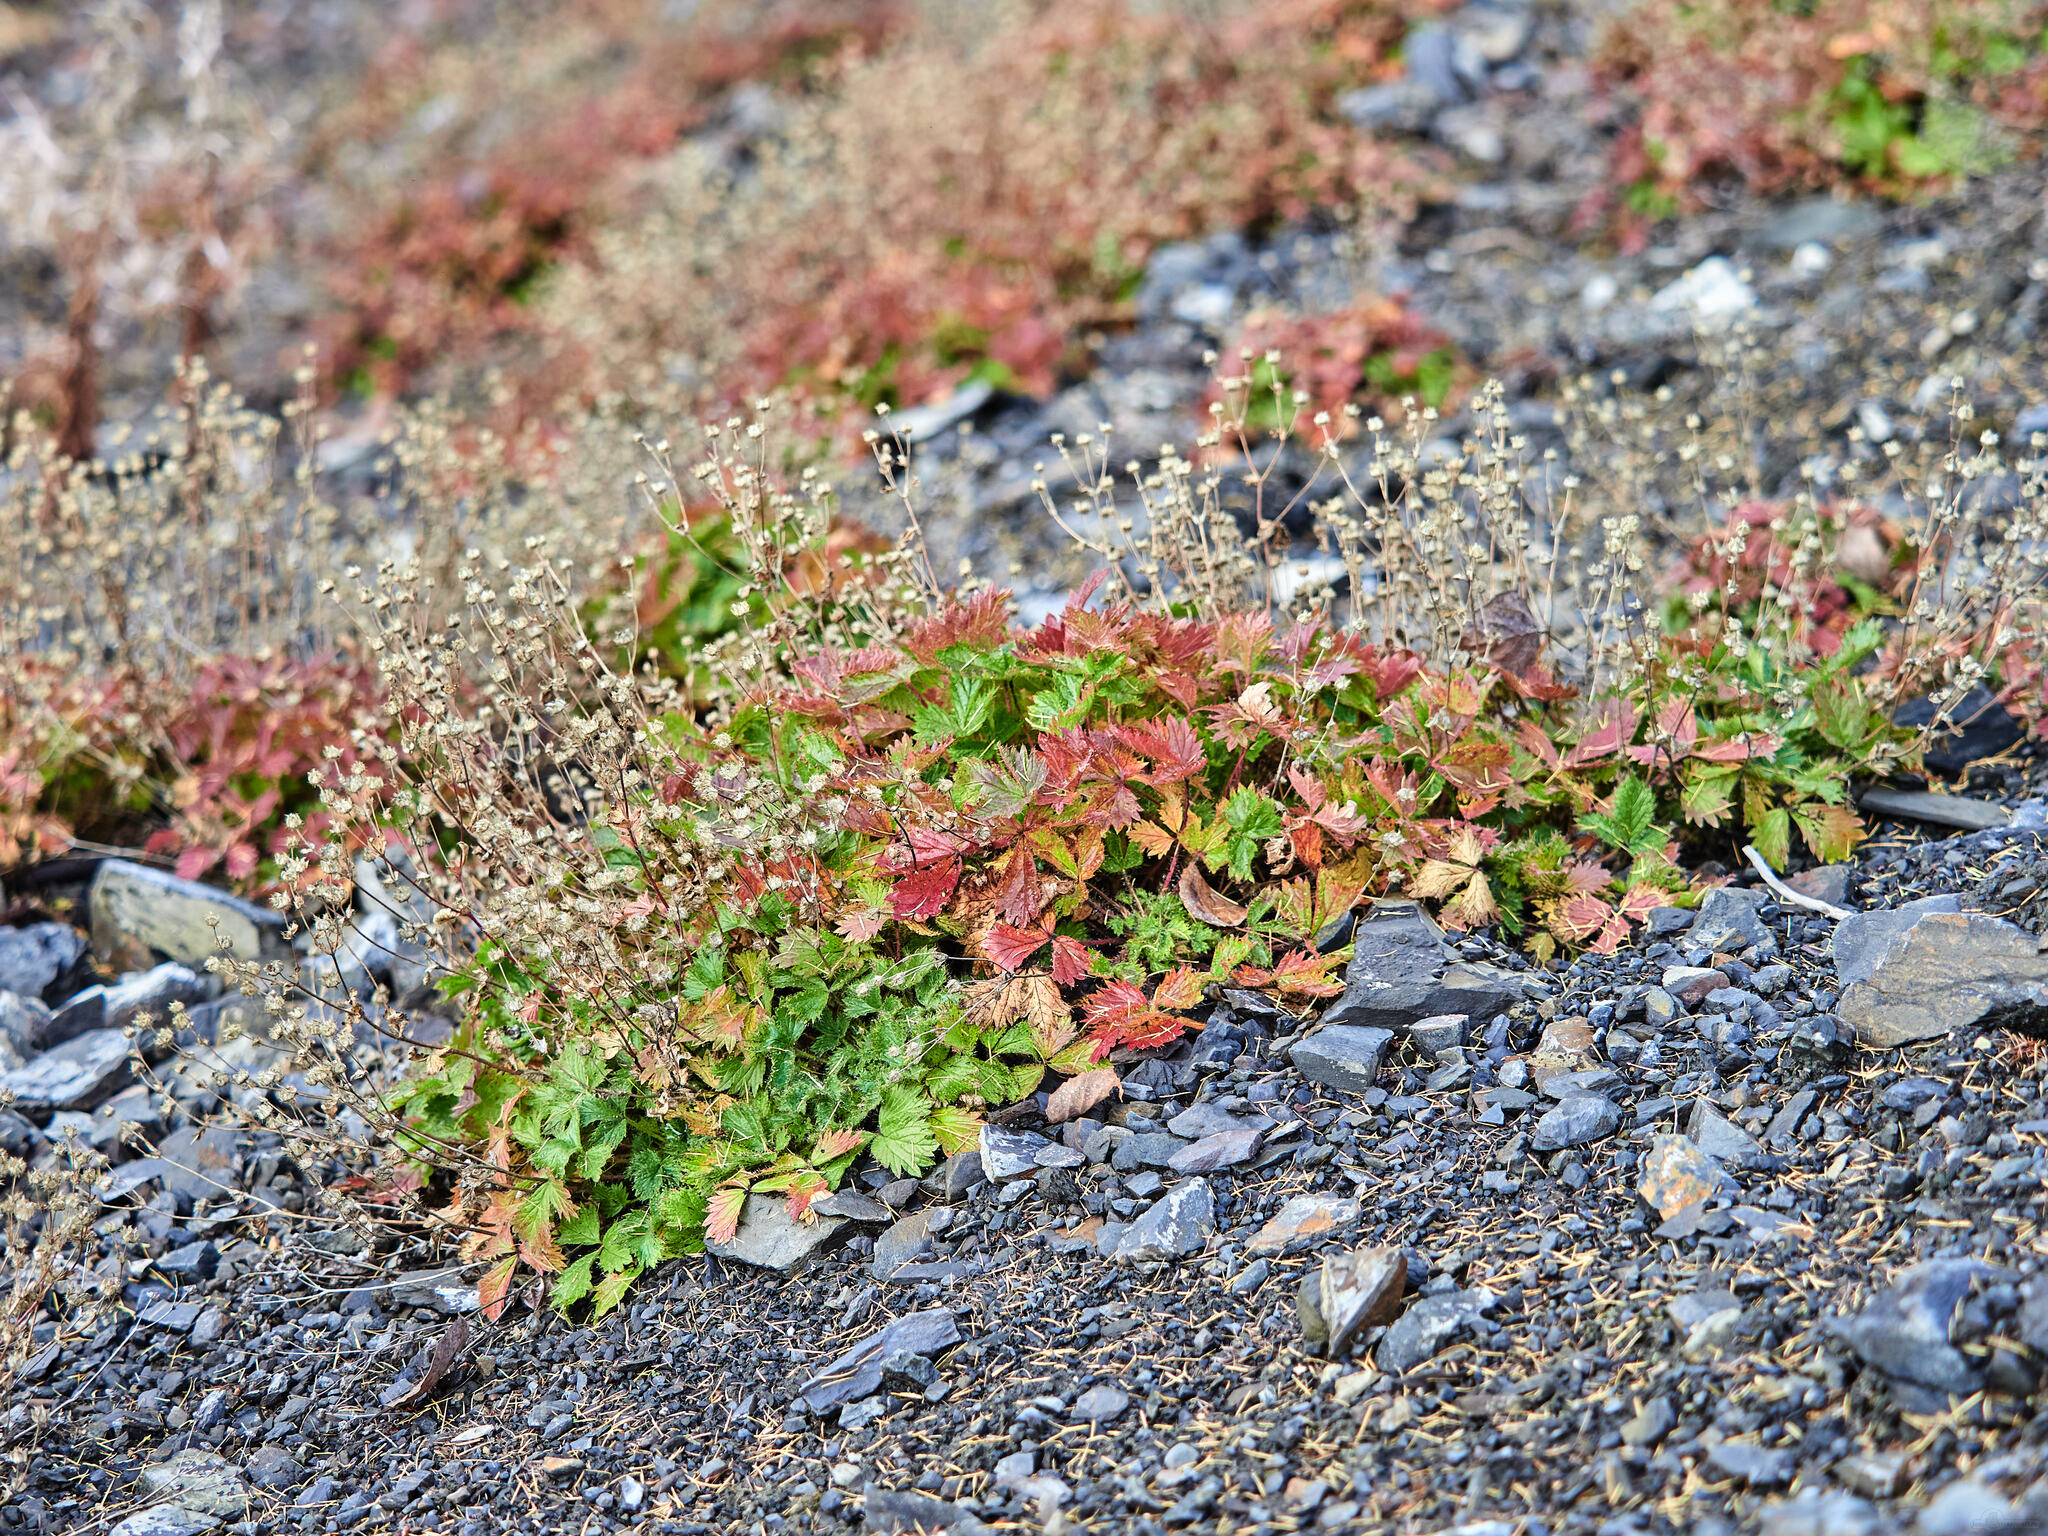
[1892, 97]
[884, 861]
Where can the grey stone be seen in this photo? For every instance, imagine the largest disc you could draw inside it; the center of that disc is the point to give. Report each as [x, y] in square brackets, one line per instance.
[1225, 1149]
[1692, 983]
[1148, 1149]
[859, 1371]
[178, 1316]
[1431, 1324]
[208, 1327]
[1435, 1036]
[24, 1026]
[770, 1238]
[854, 1206]
[1665, 921]
[204, 1482]
[889, 1512]
[1577, 1119]
[79, 1074]
[1009, 1154]
[956, 1175]
[1813, 1513]
[191, 1262]
[909, 1240]
[1357, 1290]
[1826, 220]
[1251, 1277]
[1968, 1508]
[1342, 1056]
[1975, 727]
[1904, 1329]
[1100, 1404]
[1209, 1117]
[139, 914]
[1939, 810]
[198, 1163]
[272, 1468]
[1726, 921]
[445, 1290]
[1874, 1474]
[1824, 882]
[1745, 1460]
[1723, 1140]
[1304, 1222]
[33, 959]
[1601, 1080]
[165, 1520]
[1177, 1225]
[1651, 1423]
[1922, 973]
[1402, 970]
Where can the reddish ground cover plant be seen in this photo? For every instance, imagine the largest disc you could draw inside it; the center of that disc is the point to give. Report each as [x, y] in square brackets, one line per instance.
[212, 774]
[1887, 95]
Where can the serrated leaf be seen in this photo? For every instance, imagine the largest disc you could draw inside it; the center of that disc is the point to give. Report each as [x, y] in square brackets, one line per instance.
[612, 1290]
[1831, 831]
[904, 1141]
[1773, 837]
[573, 1283]
[957, 1128]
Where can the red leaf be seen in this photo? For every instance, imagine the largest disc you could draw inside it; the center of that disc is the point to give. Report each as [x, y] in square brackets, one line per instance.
[1021, 897]
[925, 892]
[1010, 946]
[1181, 988]
[1070, 960]
[1172, 745]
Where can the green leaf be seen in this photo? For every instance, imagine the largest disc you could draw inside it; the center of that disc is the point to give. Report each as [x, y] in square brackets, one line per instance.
[612, 1290]
[580, 1229]
[573, 1283]
[1630, 824]
[1773, 837]
[904, 1141]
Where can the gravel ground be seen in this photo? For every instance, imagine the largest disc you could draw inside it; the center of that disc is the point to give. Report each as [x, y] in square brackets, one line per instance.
[1624, 1262]
[1579, 1347]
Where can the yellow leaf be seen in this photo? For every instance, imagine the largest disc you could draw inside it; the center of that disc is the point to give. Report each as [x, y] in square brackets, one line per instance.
[1156, 841]
[1437, 879]
[1474, 906]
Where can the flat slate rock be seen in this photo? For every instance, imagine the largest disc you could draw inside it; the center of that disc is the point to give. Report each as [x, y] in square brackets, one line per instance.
[1904, 1329]
[34, 958]
[1402, 970]
[770, 1238]
[1975, 727]
[79, 1074]
[1303, 1222]
[1938, 810]
[139, 914]
[1577, 1119]
[1432, 1323]
[859, 1371]
[1342, 1056]
[1923, 972]
[1179, 1223]
[1009, 1154]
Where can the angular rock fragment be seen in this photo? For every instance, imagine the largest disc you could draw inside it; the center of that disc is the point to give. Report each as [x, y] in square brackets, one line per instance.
[1357, 1290]
[1904, 1329]
[1178, 1224]
[1926, 971]
[1009, 1154]
[1402, 970]
[1433, 1323]
[1342, 1056]
[139, 914]
[1303, 1222]
[1676, 1173]
[771, 1238]
[79, 1074]
[860, 1370]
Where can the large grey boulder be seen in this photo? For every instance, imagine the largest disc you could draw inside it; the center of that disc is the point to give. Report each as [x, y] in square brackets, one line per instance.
[140, 915]
[1926, 970]
[1403, 971]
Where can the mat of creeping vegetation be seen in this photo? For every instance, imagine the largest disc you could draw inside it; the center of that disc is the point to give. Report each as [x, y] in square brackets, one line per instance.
[1592, 1367]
